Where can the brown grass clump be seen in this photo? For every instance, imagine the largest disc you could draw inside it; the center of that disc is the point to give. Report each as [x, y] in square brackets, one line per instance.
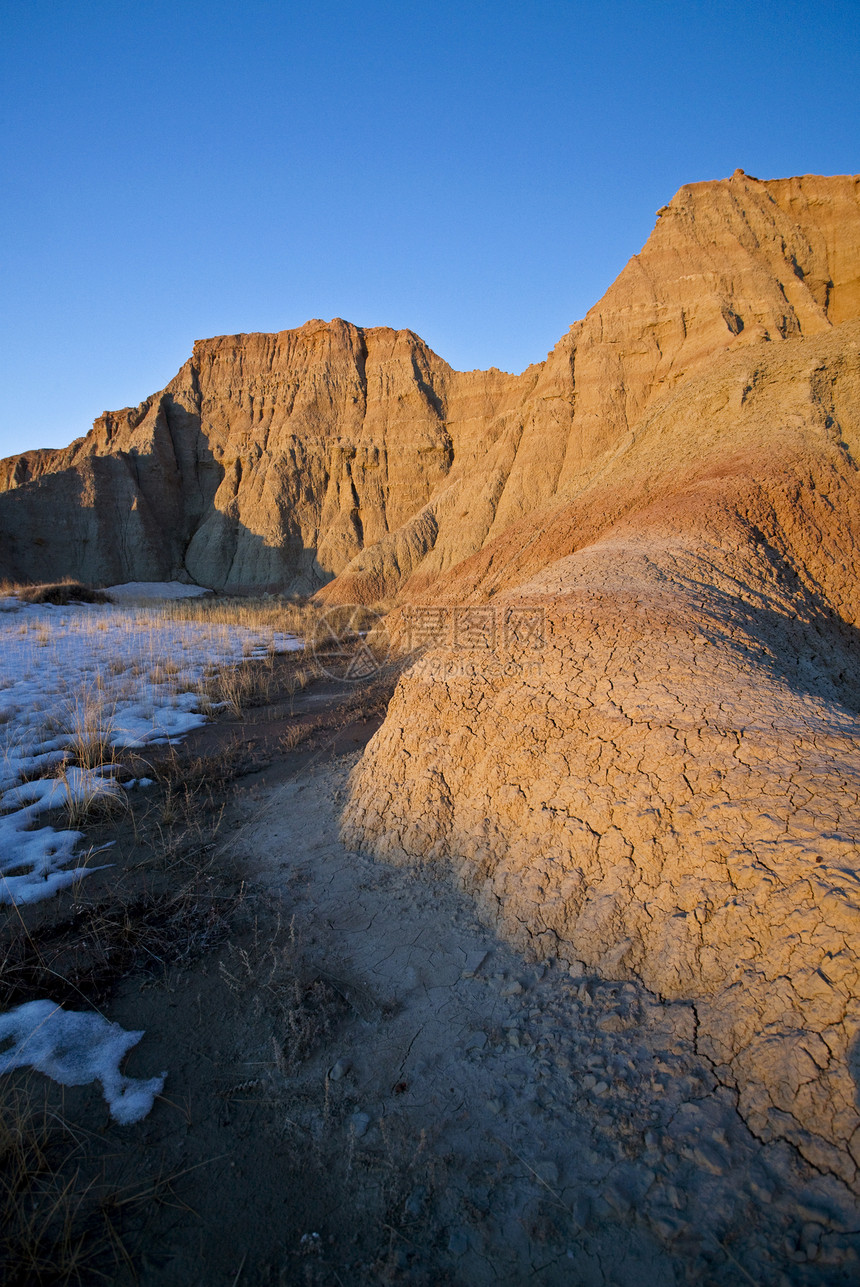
[104, 940]
[303, 1005]
[233, 688]
[305, 618]
[294, 736]
[94, 803]
[46, 1209]
[62, 593]
[87, 724]
[69, 1215]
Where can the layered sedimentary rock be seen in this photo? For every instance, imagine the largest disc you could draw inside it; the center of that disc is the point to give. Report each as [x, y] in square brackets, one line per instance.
[729, 266]
[268, 461]
[632, 726]
[645, 756]
[637, 742]
[331, 451]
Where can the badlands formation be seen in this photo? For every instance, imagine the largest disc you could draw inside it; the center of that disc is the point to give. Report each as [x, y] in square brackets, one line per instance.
[632, 727]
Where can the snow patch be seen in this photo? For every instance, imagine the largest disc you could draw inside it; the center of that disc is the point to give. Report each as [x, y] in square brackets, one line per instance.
[128, 676]
[74, 1048]
[76, 786]
[139, 590]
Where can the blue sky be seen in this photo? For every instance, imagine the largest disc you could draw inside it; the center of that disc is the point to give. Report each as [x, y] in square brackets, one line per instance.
[476, 171]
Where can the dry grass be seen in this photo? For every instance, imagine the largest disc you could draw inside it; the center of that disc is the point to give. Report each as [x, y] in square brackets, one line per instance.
[86, 723]
[47, 1210]
[173, 904]
[85, 955]
[70, 1215]
[194, 775]
[59, 593]
[290, 615]
[273, 976]
[295, 735]
[234, 688]
[91, 802]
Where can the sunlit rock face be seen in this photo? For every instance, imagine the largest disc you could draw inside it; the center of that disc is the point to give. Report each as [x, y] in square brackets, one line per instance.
[640, 749]
[638, 742]
[336, 452]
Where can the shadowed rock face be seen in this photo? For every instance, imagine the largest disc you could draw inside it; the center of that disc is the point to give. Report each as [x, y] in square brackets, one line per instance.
[337, 452]
[663, 778]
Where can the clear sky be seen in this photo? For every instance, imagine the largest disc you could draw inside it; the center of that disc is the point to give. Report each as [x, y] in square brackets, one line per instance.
[478, 171]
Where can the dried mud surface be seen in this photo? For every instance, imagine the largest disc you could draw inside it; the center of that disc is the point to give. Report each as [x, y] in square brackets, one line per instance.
[665, 786]
[367, 1085]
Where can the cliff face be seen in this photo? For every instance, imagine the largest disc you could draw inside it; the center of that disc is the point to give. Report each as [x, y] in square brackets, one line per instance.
[639, 745]
[336, 452]
[730, 266]
[260, 463]
[644, 755]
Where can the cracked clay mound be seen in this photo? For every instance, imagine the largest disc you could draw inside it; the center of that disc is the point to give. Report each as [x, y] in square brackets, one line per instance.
[642, 753]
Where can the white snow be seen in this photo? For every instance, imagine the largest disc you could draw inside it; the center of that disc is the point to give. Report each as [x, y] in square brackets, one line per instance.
[75, 1048]
[127, 676]
[80, 786]
[140, 590]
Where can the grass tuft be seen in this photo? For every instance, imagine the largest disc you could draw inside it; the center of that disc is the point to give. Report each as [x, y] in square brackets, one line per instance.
[61, 594]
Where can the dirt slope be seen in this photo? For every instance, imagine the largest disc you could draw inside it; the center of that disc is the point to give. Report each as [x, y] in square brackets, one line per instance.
[642, 752]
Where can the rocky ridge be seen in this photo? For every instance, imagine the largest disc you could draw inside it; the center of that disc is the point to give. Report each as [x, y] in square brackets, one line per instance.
[333, 451]
[631, 729]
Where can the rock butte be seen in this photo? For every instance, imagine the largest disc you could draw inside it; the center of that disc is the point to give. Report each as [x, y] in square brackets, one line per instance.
[645, 758]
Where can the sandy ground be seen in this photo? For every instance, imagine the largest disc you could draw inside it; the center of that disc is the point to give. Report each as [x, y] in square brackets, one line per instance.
[471, 1118]
[366, 1086]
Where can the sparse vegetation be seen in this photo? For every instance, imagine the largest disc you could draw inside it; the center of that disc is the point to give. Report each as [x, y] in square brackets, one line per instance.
[306, 618]
[87, 727]
[52, 1229]
[60, 593]
[136, 925]
[234, 688]
[173, 907]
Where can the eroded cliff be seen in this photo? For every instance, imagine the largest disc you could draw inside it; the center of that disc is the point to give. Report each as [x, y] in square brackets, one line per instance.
[644, 757]
[632, 726]
[331, 451]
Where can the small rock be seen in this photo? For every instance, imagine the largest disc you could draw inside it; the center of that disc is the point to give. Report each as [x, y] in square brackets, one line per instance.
[617, 1199]
[414, 1204]
[581, 1210]
[476, 1041]
[706, 1158]
[810, 1237]
[340, 1069]
[668, 1226]
[514, 989]
[359, 1123]
[548, 1172]
[611, 1023]
[474, 961]
[458, 1243]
